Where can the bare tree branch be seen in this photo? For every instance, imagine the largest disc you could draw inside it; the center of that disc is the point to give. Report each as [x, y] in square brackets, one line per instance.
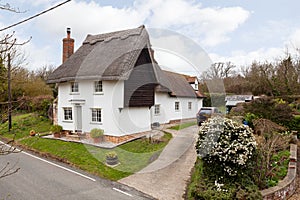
[8, 7]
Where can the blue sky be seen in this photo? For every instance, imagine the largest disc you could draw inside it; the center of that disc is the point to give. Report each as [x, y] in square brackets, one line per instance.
[239, 31]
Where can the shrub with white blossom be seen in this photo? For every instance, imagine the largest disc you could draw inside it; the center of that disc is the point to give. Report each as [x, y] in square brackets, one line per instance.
[226, 144]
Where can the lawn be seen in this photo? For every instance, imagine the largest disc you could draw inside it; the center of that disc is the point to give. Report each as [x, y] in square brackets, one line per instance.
[133, 156]
[22, 124]
[183, 125]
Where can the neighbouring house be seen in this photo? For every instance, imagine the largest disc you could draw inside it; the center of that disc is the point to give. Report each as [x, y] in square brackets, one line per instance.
[113, 82]
[233, 100]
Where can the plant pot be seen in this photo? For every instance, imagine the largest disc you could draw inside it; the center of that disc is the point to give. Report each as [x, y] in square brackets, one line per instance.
[97, 140]
[57, 135]
[32, 133]
[112, 161]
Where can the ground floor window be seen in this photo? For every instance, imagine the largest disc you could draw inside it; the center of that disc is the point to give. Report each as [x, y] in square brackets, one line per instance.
[156, 109]
[177, 106]
[68, 114]
[96, 115]
[189, 105]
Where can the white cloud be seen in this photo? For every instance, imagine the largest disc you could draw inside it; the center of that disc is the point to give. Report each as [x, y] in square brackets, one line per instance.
[88, 18]
[177, 52]
[242, 58]
[294, 40]
[211, 25]
[34, 3]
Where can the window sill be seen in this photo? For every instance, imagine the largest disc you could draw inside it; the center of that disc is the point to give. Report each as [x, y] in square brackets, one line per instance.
[96, 123]
[98, 93]
[74, 93]
[67, 121]
[157, 114]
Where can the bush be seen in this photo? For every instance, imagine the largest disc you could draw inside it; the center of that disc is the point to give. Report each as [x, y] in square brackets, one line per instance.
[294, 124]
[204, 186]
[39, 104]
[56, 128]
[226, 144]
[270, 159]
[267, 108]
[96, 133]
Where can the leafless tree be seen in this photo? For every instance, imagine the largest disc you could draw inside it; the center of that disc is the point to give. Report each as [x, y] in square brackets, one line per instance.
[8, 51]
[219, 70]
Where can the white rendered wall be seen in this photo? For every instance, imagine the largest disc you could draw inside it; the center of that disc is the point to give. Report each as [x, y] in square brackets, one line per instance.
[134, 120]
[167, 108]
[109, 101]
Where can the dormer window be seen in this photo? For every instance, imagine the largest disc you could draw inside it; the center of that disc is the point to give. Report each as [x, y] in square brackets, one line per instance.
[74, 87]
[98, 87]
[196, 86]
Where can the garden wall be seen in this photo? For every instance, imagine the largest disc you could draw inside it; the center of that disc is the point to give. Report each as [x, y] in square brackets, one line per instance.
[287, 186]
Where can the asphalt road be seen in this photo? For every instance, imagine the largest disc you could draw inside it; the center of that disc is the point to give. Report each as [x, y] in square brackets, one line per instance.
[42, 179]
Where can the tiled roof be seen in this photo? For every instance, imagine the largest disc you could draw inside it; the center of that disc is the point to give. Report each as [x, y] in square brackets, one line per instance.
[177, 85]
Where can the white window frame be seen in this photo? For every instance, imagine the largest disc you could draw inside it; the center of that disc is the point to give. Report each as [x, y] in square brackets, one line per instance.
[157, 109]
[190, 105]
[68, 114]
[196, 86]
[98, 85]
[177, 106]
[74, 87]
[96, 115]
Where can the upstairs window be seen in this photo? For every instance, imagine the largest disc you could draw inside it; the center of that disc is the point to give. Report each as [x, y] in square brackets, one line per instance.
[196, 86]
[68, 114]
[74, 87]
[176, 106]
[98, 86]
[96, 115]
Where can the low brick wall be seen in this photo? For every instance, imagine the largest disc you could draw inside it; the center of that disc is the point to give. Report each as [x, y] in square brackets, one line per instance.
[287, 186]
[126, 138]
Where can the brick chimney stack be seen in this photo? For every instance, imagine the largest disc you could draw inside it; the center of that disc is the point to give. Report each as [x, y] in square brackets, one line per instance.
[68, 46]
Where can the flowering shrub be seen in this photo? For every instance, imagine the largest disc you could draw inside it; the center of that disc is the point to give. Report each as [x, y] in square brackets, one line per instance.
[225, 143]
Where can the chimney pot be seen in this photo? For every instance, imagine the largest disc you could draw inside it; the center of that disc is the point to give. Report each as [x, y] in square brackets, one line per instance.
[68, 32]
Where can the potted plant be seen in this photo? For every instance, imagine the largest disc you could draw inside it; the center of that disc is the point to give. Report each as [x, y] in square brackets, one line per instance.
[112, 158]
[56, 130]
[32, 133]
[96, 134]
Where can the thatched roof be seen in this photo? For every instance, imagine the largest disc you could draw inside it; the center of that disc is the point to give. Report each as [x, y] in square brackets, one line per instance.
[109, 56]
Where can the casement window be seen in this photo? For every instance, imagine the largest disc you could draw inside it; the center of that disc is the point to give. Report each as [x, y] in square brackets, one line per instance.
[74, 87]
[96, 115]
[177, 106]
[156, 109]
[189, 105]
[68, 114]
[98, 87]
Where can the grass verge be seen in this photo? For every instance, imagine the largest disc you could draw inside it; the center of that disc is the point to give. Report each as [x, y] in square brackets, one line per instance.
[183, 125]
[133, 156]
